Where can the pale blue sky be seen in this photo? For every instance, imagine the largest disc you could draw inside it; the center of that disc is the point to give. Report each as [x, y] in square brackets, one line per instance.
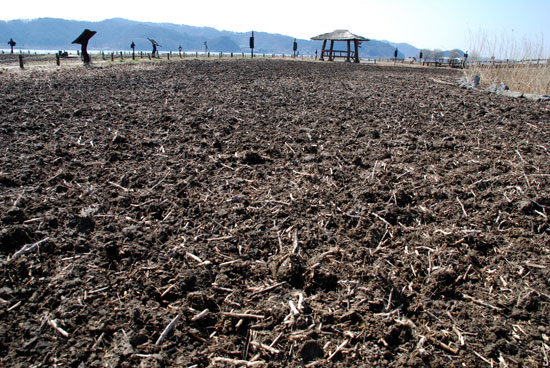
[430, 24]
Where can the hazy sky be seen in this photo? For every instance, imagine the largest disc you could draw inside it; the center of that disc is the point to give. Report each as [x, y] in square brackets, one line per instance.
[430, 24]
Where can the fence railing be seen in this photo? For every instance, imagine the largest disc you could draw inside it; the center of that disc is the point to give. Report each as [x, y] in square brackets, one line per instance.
[22, 58]
[60, 57]
[510, 63]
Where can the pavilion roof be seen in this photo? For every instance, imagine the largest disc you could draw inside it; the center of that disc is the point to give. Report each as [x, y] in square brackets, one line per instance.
[340, 35]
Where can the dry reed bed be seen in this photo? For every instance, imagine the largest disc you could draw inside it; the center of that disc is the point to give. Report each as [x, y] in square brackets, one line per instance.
[526, 78]
[523, 65]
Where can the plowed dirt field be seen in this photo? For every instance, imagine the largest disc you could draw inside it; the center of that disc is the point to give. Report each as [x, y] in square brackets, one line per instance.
[270, 213]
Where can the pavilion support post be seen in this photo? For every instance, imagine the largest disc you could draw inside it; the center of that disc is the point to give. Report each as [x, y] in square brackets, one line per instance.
[356, 46]
[330, 56]
[348, 59]
[323, 50]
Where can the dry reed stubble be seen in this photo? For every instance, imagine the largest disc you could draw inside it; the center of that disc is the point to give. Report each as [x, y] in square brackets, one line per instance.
[518, 77]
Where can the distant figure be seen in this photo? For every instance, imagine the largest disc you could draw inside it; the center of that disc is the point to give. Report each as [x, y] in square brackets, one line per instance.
[12, 43]
[155, 44]
[83, 41]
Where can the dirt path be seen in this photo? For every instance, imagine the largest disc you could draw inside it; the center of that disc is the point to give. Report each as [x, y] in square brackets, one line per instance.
[271, 213]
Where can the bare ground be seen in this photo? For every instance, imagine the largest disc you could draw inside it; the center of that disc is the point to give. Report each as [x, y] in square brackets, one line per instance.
[279, 213]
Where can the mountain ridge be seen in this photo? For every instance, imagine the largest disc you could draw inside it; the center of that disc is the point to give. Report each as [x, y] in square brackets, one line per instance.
[119, 33]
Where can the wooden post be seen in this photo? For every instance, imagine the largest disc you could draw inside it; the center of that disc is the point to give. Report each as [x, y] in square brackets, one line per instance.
[21, 65]
[348, 59]
[330, 57]
[121, 57]
[356, 45]
[112, 56]
[170, 53]
[252, 45]
[57, 59]
[322, 58]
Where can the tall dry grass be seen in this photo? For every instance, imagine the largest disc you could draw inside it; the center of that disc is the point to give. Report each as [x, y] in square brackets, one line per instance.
[523, 66]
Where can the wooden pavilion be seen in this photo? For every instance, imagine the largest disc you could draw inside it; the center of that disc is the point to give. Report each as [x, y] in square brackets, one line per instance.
[340, 35]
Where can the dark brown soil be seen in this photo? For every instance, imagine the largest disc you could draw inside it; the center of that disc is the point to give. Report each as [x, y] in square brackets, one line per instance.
[288, 213]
